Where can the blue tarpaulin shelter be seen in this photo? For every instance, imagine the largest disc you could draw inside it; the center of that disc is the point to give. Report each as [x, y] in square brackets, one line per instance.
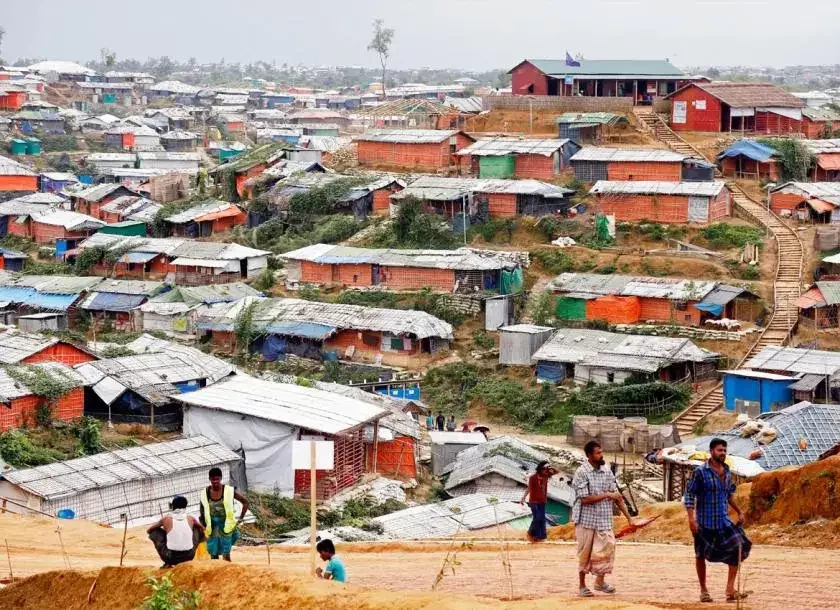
[113, 301]
[30, 297]
[750, 149]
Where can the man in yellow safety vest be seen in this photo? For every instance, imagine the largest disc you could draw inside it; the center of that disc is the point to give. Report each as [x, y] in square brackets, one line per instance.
[220, 524]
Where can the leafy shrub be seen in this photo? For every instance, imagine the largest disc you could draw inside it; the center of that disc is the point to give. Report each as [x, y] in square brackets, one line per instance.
[18, 450]
[482, 340]
[167, 596]
[541, 307]
[795, 158]
[265, 280]
[309, 292]
[445, 387]
[723, 235]
[89, 432]
[369, 298]
[513, 402]
[750, 272]
[554, 261]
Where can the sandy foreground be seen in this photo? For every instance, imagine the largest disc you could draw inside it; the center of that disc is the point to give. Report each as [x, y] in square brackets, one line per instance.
[659, 575]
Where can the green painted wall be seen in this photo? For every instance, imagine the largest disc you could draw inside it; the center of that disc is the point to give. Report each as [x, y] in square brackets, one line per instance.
[571, 309]
[496, 167]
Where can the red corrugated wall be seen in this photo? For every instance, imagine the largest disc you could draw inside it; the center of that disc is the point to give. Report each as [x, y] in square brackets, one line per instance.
[527, 74]
[537, 167]
[770, 122]
[815, 129]
[785, 201]
[394, 457]
[46, 234]
[501, 205]
[666, 171]
[720, 206]
[21, 411]
[413, 278]
[19, 183]
[411, 156]
[614, 309]
[60, 352]
[632, 208]
[708, 119]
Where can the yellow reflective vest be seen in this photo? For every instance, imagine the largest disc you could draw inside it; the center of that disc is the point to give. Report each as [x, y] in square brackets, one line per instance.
[227, 499]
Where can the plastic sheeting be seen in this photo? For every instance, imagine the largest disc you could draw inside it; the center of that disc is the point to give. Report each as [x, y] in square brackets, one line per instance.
[712, 308]
[570, 309]
[112, 301]
[267, 445]
[554, 372]
[614, 309]
[512, 281]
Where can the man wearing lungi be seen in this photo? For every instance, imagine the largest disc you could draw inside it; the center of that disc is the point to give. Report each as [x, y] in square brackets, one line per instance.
[707, 499]
[596, 493]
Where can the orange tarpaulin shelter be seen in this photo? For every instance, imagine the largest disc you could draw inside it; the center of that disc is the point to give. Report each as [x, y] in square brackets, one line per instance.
[614, 309]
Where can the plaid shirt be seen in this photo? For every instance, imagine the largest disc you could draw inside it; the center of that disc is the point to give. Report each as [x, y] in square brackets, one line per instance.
[709, 495]
[589, 481]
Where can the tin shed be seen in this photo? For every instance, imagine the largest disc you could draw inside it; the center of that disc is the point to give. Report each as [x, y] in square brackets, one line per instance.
[517, 343]
[447, 445]
[755, 392]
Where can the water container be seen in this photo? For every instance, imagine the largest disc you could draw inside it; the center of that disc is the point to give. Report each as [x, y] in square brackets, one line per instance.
[66, 513]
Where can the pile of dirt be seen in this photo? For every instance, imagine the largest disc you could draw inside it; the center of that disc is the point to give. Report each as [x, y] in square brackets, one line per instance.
[236, 587]
[796, 495]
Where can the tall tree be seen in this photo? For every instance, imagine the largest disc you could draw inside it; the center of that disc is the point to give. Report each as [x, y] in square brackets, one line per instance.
[381, 45]
[109, 58]
[2, 34]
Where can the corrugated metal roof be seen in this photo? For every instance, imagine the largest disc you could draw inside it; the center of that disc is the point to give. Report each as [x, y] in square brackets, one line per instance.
[11, 387]
[444, 519]
[57, 284]
[750, 95]
[407, 136]
[823, 146]
[210, 293]
[8, 167]
[465, 259]
[495, 147]
[474, 104]
[826, 191]
[530, 329]
[439, 437]
[71, 477]
[298, 406]
[169, 156]
[16, 346]
[207, 207]
[174, 86]
[630, 187]
[132, 208]
[509, 468]
[594, 285]
[135, 287]
[807, 383]
[510, 446]
[598, 67]
[591, 118]
[602, 348]
[270, 314]
[61, 67]
[99, 157]
[71, 221]
[795, 360]
[625, 155]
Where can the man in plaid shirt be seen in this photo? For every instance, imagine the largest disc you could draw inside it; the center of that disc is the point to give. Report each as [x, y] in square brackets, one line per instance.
[596, 493]
[707, 499]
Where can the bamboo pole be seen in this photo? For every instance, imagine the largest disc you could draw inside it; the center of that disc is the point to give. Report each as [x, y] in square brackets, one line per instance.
[312, 515]
[125, 533]
[9, 557]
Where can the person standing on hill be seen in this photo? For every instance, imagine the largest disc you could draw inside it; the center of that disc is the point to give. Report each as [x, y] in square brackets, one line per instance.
[217, 517]
[596, 492]
[537, 496]
[708, 497]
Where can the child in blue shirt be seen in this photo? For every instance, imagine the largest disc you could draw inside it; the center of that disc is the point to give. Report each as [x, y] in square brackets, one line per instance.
[334, 570]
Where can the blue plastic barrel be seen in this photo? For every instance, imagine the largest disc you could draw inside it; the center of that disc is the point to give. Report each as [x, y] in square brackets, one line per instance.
[66, 513]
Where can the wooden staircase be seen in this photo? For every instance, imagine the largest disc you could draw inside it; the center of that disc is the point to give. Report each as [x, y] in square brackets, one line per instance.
[786, 290]
[653, 121]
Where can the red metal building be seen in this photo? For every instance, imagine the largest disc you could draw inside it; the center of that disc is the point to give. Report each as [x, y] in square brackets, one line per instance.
[820, 122]
[640, 80]
[415, 149]
[15, 176]
[594, 163]
[744, 107]
[665, 202]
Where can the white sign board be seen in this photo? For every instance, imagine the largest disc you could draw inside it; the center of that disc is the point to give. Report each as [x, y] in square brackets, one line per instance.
[324, 452]
[700, 104]
[680, 112]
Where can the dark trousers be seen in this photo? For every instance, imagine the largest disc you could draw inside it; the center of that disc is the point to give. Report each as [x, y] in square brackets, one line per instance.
[538, 523]
[173, 558]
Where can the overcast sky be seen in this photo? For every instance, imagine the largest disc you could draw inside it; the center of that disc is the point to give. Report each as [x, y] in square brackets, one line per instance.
[468, 34]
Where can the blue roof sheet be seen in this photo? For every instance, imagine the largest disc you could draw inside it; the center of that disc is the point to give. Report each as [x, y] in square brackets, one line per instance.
[309, 330]
[40, 300]
[113, 301]
[750, 149]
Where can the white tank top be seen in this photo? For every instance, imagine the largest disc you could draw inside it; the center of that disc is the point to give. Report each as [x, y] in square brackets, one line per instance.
[180, 537]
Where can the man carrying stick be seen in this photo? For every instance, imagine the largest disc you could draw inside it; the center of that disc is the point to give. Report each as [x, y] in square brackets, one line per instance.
[596, 492]
[707, 499]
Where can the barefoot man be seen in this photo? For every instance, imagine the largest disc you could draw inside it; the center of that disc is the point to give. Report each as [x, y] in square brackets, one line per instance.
[707, 499]
[595, 494]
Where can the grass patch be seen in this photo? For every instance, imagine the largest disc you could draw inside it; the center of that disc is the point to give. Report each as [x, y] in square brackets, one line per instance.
[723, 235]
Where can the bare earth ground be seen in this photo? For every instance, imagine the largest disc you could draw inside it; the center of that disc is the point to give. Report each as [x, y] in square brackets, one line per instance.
[661, 575]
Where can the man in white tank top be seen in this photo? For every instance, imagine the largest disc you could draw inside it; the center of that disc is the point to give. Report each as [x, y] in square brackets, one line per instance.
[176, 535]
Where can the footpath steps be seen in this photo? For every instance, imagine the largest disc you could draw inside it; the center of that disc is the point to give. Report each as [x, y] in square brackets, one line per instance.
[787, 287]
[787, 283]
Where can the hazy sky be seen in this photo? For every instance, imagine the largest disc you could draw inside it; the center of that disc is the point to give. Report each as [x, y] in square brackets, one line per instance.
[469, 34]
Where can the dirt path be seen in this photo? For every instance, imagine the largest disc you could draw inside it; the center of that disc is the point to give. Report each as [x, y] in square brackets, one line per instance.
[662, 575]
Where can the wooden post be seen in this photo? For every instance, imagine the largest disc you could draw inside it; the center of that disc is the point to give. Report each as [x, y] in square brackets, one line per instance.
[375, 445]
[3, 509]
[9, 557]
[125, 532]
[312, 515]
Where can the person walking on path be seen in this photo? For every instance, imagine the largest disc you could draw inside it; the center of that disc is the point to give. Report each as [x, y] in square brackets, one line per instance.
[596, 492]
[537, 496]
[440, 421]
[707, 499]
[220, 525]
[451, 424]
[176, 535]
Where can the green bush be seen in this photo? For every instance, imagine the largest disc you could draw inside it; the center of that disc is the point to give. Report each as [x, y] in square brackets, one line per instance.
[482, 340]
[265, 280]
[541, 307]
[414, 229]
[795, 158]
[166, 595]
[723, 235]
[554, 261]
[369, 298]
[750, 272]
[513, 402]
[89, 432]
[445, 387]
[18, 450]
